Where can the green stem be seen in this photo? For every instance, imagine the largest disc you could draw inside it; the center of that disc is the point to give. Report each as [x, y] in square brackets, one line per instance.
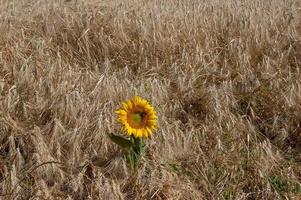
[135, 153]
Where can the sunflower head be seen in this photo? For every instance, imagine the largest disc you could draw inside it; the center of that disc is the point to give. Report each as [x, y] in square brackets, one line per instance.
[138, 117]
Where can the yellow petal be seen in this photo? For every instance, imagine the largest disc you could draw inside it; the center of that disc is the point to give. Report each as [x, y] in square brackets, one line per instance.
[129, 107]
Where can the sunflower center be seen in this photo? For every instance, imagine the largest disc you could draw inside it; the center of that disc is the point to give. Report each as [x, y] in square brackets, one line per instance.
[137, 119]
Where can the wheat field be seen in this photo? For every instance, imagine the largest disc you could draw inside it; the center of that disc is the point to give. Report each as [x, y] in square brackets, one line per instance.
[223, 76]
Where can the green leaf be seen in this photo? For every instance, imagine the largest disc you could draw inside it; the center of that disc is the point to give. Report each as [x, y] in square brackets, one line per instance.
[121, 140]
[139, 146]
[135, 153]
[279, 184]
[131, 159]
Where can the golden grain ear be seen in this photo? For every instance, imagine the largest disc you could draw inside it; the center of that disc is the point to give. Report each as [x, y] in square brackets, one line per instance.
[223, 75]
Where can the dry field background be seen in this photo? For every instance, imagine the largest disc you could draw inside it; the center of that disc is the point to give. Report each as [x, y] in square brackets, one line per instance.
[224, 77]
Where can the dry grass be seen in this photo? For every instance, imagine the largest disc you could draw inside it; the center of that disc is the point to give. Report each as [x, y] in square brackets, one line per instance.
[224, 77]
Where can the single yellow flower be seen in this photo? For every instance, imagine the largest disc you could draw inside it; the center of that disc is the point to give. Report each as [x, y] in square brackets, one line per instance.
[138, 117]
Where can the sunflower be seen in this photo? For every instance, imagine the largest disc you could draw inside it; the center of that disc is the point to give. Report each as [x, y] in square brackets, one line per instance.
[138, 117]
